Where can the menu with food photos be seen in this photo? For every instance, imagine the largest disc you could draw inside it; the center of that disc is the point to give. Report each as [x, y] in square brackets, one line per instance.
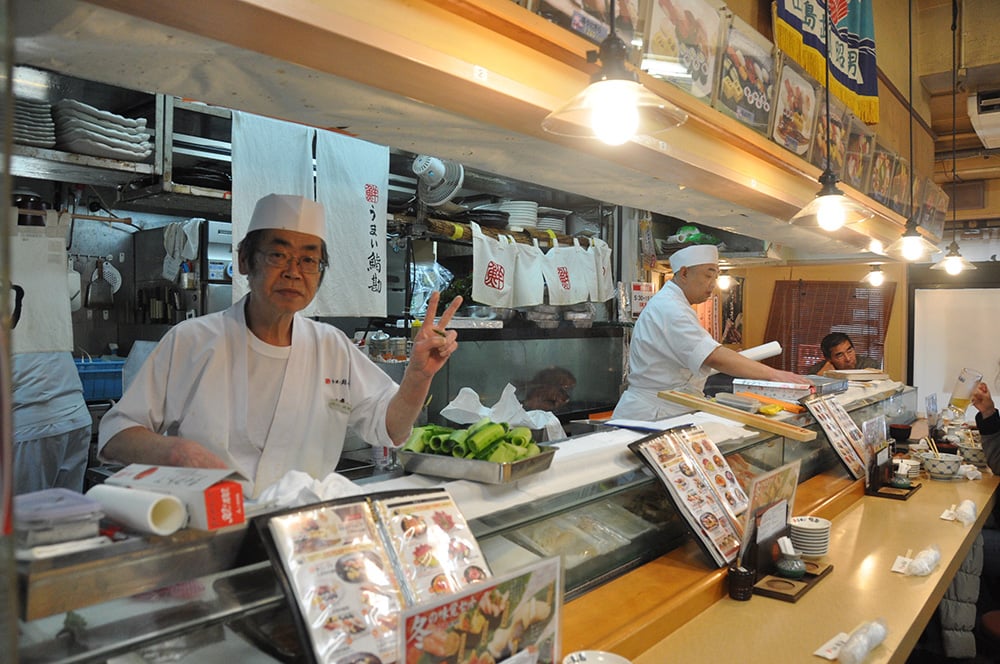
[349, 567]
[700, 484]
[844, 435]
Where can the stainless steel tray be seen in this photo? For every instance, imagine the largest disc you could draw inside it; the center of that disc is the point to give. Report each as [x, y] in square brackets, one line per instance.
[488, 472]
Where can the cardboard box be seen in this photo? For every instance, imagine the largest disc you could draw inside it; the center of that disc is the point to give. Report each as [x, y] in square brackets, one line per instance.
[214, 497]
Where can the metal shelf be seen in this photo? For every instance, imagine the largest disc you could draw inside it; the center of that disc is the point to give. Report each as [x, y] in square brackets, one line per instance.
[49, 164]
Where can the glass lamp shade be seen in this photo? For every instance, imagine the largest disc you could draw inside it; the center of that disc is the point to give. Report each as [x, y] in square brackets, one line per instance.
[911, 246]
[954, 263]
[831, 210]
[875, 278]
[613, 111]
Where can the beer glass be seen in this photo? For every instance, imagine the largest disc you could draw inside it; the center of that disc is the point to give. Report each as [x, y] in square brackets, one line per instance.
[961, 394]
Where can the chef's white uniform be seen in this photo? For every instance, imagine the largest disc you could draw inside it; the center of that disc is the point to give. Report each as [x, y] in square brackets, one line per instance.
[195, 385]
[669, 346]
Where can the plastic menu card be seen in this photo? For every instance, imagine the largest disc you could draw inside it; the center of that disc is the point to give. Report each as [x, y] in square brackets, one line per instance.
[512, 618]
[700, 484]
[794, 108]
[844, 435]
[349, 566]
[747, 77]
[684, 38]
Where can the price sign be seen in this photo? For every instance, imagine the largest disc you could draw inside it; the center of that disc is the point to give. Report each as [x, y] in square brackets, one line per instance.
[641, 292]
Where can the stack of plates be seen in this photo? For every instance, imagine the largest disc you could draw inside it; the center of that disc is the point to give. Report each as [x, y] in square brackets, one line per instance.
[523, 214]
[87, 130]
[33, 124]
[810, 535]
[552, 219]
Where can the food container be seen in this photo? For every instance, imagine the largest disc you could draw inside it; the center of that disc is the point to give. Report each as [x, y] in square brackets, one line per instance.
[488, 472]
[54, 515]
[943, 467]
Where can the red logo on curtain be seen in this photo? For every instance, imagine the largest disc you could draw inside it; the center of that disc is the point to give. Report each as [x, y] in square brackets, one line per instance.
[563, 273]
[494, 277]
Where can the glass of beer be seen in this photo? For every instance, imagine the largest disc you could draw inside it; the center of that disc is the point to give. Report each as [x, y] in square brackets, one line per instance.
[961, 394]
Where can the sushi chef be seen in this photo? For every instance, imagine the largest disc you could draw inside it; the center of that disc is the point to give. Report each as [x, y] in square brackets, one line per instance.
[261, 389]
[670, 349]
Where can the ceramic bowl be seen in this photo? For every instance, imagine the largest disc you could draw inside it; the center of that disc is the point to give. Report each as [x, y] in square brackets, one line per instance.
[973, 454]
[943, 466]
[594, 657]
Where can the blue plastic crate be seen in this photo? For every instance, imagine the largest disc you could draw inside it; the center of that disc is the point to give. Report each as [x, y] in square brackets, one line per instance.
[102, 379]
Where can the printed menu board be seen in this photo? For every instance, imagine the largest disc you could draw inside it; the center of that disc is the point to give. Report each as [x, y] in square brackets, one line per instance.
[934, 208]
[794, 109]
[350, 566]
[899, 196]
[683, 44]
[701, 485]
[747, 77]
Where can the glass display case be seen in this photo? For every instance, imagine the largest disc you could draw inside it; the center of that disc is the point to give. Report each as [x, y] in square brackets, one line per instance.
[146, 601]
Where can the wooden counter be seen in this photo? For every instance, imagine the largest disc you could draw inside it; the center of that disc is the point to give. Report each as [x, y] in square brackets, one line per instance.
[865, 539]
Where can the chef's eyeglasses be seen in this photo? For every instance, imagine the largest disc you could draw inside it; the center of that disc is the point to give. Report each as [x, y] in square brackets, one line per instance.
[307, 264]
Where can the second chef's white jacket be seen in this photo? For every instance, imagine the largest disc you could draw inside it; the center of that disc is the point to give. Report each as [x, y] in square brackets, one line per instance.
[669, 347]
[195, 384]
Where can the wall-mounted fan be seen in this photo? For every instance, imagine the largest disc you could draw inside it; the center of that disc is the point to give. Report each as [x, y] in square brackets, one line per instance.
[438, 180]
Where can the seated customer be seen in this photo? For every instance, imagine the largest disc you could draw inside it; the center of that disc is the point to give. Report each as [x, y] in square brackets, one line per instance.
[838, 353]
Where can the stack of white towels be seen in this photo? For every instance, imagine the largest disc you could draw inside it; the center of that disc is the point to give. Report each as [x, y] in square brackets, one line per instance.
[83, 129]
[33, 124]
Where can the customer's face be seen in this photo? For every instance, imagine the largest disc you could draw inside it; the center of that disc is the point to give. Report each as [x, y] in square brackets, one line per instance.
[698, 281]
[842, 356]
[285, 288]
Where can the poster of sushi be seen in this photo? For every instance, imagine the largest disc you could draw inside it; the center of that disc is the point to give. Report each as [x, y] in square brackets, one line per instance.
[747, 77]
[683, 44]
[900, 189]
[840, 124]
[794, 109]
[858, 156]
[880, 181]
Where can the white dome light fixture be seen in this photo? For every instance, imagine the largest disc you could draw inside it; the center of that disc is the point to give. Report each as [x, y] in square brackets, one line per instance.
[615, 106]
[876, 277]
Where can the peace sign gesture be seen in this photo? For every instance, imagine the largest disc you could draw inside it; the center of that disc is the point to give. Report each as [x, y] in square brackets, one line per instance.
[434, 344]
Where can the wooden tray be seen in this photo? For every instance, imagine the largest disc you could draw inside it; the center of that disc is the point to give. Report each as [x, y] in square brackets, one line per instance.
[791, 590]
[896, 493]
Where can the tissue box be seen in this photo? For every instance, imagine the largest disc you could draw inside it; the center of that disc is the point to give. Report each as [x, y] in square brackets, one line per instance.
[214, 497]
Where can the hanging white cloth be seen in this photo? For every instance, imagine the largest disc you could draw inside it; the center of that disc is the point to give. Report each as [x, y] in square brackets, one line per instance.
[38, 268]
[353, 185]
[269, 157]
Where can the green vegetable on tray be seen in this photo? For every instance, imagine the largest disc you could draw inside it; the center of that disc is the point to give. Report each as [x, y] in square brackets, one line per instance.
[485, 440]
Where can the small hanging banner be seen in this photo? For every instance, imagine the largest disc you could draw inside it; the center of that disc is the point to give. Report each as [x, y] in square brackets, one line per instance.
[799, 31]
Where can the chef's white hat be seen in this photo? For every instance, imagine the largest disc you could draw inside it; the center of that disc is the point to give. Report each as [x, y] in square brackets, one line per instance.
[699, 254]
[289, 213]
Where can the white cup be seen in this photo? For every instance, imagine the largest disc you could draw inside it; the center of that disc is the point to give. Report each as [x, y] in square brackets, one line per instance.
[594, 657]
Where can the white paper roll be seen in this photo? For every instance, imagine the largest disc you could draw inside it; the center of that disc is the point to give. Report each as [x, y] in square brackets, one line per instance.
[758, 353]
[145, 511]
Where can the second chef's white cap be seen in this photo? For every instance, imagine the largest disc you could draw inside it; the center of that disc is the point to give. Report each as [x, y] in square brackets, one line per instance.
[289, 213]
[699, 254]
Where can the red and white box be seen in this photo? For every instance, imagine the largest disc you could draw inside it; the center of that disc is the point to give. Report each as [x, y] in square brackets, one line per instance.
[214, 497]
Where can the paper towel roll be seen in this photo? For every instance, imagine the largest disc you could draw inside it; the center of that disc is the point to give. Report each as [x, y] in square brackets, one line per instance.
[145, 511]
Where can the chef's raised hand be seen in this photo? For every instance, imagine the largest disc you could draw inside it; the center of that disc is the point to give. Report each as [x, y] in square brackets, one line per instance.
[434, 343]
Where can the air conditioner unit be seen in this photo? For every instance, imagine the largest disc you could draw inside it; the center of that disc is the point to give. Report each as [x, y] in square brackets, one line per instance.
[984, 111]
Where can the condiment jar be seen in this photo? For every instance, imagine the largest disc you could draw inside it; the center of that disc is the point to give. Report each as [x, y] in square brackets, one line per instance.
[791, 566]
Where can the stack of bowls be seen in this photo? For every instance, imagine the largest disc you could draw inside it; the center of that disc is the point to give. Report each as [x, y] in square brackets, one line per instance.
[810, 535]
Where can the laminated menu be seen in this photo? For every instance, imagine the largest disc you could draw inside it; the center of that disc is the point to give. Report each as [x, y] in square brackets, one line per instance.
[934, 207]
[701, 485]
[840, 124]
[844, 435]
[350, 566]
[900, 188]
[747, 77]
[683, 43]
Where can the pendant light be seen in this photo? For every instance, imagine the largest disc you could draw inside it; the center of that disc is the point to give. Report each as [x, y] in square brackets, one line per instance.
[831, 209]
[875, 277]
[615, 106]
[912, 246]
[954, 263]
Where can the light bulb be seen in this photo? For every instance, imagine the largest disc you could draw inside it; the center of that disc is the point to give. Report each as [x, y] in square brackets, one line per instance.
[912, 248]
[724, 282]
[876, 278]
[876, 247]
[830, 214]
[614, 117]
[953, 265]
